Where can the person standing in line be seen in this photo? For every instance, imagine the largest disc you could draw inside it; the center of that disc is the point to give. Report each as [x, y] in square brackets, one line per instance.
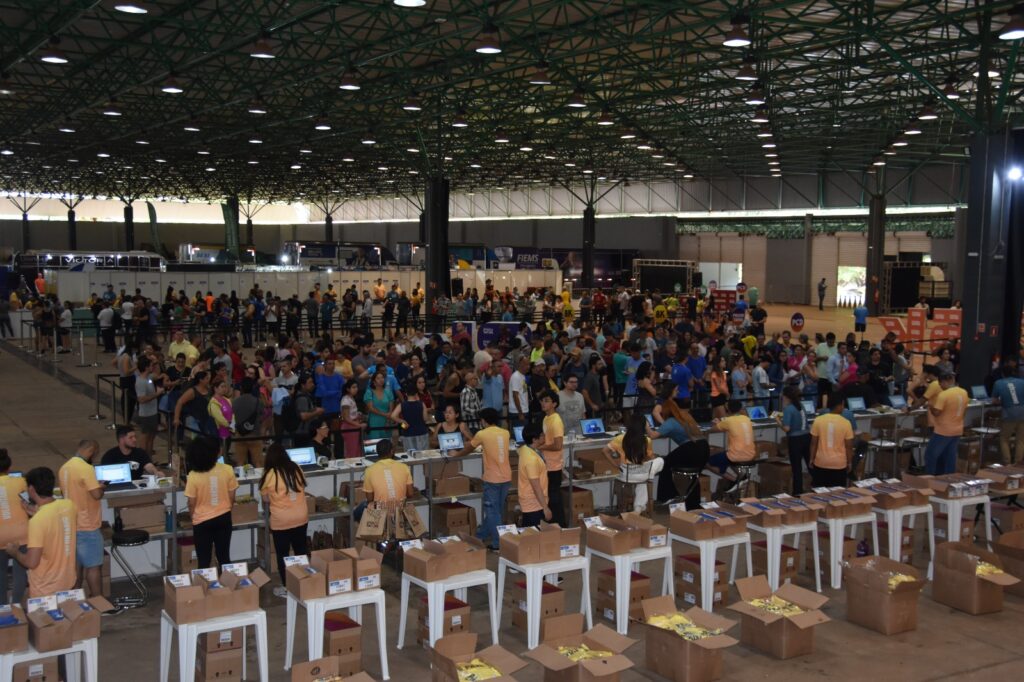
[571, 406]
[519, 393]
[1008, 393]
[947, 410]
[78, 483]
[497, 473]
[52, 524]
[283, 489]
[312, 309]
[533, 479]
[831, 446]
[13, 529]
[147, 403]
[412, 415]
[210, 491]
[822, 288]
[553, 451]
[793, 422]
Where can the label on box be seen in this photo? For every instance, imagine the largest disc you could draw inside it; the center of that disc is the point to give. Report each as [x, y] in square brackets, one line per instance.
[240, 569]
[195, 557]
[522, 605]
[509, 529]
[36, 670]
[224, 637]
[782, 496]
[368, 581]
[301, 560]
[823, 489]
[456, 620]
[709, 505]
[339, 586]
[591, 521]
[688, 577]
[893, 480]
[47, 603]
[70, 595]
[690, 598]
[676, 506]
[658, 541]
[209, 574]
[609, 614]
[447, 538]
[569, 551]
[183, 580]
[867, 482]
[406, 545]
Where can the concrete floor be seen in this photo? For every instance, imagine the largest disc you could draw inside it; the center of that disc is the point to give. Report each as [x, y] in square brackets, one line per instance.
[43, 417]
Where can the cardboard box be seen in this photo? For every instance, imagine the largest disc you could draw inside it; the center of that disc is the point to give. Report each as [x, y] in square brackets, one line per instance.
[691, 595]
[679, 659]
[85, 614]
[872, 603]
[942, 529]
[337, 568]
[471, 554]
[218, 598]
[219, 666]
[134, 500]
[774, 634]
[1010, 548]
[245, 512]
[365, 567]
[578, 503]
[449, 651]
[521, 547]
[849, 551]
[184, 600]
[328, 667]
[569, 541]
[1004, 479]
[41, 670]
[705, 524]
[13, 637]
[950, 486]
[594, 462]
[451, 518]
[49, 630]
[148, 517]
[224, 640]
[305, 582]
[455, 619]
[342, 635]
[606, 607]
[912, 491]
[429, 563]
[639, 585]
[448, 480]
[788, 559]
[245, 589]
[651, 534]
[185, 551]
[687, 570]
[552, 603]
[957, 584]
[1008, 518]
[906, 538]
[608, 539]
[568, 630]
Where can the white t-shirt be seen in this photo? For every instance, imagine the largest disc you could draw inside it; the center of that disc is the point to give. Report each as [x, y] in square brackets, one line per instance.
[760, 382]
[106, 318]
[65, 319]
[517, 384]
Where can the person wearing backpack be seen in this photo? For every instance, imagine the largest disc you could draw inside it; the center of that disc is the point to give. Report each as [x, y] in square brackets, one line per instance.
[305, 410]
[246, 407]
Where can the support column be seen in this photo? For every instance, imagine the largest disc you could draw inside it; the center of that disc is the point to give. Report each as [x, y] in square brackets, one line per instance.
[876, 253]
[589, 237]
[249, 238]
[992, 255]
[25, 242]
[959, 251]
[810, 293]
[328, 228]
[72, 231]
[435, 218]
[129, 228]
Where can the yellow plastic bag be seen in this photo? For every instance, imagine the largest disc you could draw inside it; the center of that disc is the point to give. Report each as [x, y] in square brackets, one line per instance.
[683, 626]
[985, 568]
[475, 670]
[897, 578]
[582, 653]
[777, 605]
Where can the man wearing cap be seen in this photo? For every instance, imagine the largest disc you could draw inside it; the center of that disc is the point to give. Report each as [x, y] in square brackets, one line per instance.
[538, 382]
[947, 410]
[572, 365]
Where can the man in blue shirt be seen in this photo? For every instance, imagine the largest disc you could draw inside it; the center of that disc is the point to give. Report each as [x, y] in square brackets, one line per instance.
[1008, 393]
[493, 386]
[682, 377]
[632, 364]
[329, 385]
[697, 365]
[860, 319]
[836, 364]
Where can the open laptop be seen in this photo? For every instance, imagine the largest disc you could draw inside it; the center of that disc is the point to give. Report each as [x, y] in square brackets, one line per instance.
[117, 476]
[897, 402]
[809, 408]
[304, 457]
[856, 405]
[593, 428]
[980, 393]
[650, 420]
[450, 441]
[758, 415]
[517, 435]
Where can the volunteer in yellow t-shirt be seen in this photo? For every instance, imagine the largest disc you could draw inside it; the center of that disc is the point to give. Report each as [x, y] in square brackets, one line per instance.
[633, 455]
[497, 474]
[947, 411]
[533, 479]
[831, 446]
[739, 431]
[13, 527]
[553, 451]
[78, 483]
[210, 490]
[283, 488]
[387, 481]
[50, 557]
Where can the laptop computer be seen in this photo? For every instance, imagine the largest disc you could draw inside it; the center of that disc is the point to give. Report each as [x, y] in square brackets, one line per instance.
[809, 408]
[857, 406]
[593, 428]
[450, 441]
[117, 476]
[650, 420]
[897, 402]
[980, 393]
[517, 435]
[758, 415]
[304, 457]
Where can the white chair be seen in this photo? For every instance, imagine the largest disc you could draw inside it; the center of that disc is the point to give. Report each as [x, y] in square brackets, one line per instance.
[774, 537]
[708, 550]
[87, 648]
[837, 532]
[436, 591]
[535, 574]
[624, 565]
[316, 612]
[188, 635]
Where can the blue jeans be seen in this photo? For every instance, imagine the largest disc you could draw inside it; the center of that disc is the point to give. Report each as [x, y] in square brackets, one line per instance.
[19, 582]
[940, 455]
[495, 495]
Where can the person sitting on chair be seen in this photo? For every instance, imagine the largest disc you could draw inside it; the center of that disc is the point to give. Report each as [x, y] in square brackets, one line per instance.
[632, 454]
[740, 447]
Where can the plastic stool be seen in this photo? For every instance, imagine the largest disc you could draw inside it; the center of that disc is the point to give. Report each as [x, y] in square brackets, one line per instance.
[88, 648]
[316, 612]
[129, 538]
[436, 591]
[535, 573]
[188, 636]
[685, 480]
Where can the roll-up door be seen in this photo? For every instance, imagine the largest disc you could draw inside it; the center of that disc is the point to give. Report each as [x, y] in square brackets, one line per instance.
[853, 250]
[732, 248]
[755, 255]
[915, 242]
[710, 248]
[689, 247]
[824, 263]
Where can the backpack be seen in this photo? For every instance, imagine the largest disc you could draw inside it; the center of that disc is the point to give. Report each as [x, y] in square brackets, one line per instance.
[117, 322]
[290, 415]
[246, 409]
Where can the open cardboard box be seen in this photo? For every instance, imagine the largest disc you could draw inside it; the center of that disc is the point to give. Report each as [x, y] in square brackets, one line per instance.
[705, 524]
[323, 668]
[957, 584]
[428, 563]
[49, 630]
[872, 604]
[85, 614]
[184, 599]
[611, 536]
[680, 659]
[774, 634]
[449, 481]
[365, 567]
[337, 568]
[568, 630]
[449, 651]
[651, 534]
[1010, 548]
[521, 546]
[762, 514]
[1003, 478]
[245, 588]
[304, 581]
[13, 637]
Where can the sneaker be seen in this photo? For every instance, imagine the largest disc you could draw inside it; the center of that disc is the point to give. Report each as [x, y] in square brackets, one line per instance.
[280, 591]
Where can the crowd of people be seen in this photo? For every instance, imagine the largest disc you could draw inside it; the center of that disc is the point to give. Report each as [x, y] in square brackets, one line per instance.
[662, 366]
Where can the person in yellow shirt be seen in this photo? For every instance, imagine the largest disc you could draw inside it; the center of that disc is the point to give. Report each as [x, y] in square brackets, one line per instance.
[283, 488]
[497, 475]
[50, 557]
[553, 451]
[947, 410]
[210, 490]
[633, 455]
[13, 528]
[740, 449]
[78, 483]
[387, 481]
[533, 479]
[831, 446]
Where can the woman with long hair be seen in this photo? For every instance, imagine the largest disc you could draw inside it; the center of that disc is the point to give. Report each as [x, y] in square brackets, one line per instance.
[283, 488]
[678, 425]
[719, 380]
[352, 421]
[740, 379]
[321, 432]
[210, 491]
[646, 393]
[794, 423]
[451, 424]
[379, 401]
[629, 452]
[220, 408]
[413, 416]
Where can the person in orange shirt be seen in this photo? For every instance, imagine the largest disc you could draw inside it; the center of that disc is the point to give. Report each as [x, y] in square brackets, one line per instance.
[40, 284]
[553, 452]
[947, 411]
[497, 474]
[13, 528]
[78, 483]
[387, 481]
[740, 447]
[283, 490]
[831, 446]
[210, 490]
[50, 557]
[533, 478]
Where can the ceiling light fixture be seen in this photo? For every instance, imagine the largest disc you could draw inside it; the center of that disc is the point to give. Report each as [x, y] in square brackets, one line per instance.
[756, 95]
[103, 155]
[768, 145]
[321, 124]
[460, 120]
[737, 36]
[540, 75]
[142, 142]
[111, 109]
[412, 103]
[191, 128]
[1014, 28]
[889, 151]
[255, 140]
[369, 138]
[991, 74]
[950, 90]
[628, 135]
[349, 83]
[257, 107]
[764, 131]
[131, 8]
[66, 129]
[410, 3]
[261, 49]
[253, 162]
[488, 42]
[605, 119]
[900, 142]
[760, 115]
[878, 161]
[912, 129]
[52, 54]
[927, 114]
[747, 72]
[501, 137]
[171, 86]
[576, 100]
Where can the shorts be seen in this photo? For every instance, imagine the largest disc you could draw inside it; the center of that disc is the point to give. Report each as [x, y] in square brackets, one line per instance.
[147, 424]
[860, 327]
[719, 400]
[89, 548]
